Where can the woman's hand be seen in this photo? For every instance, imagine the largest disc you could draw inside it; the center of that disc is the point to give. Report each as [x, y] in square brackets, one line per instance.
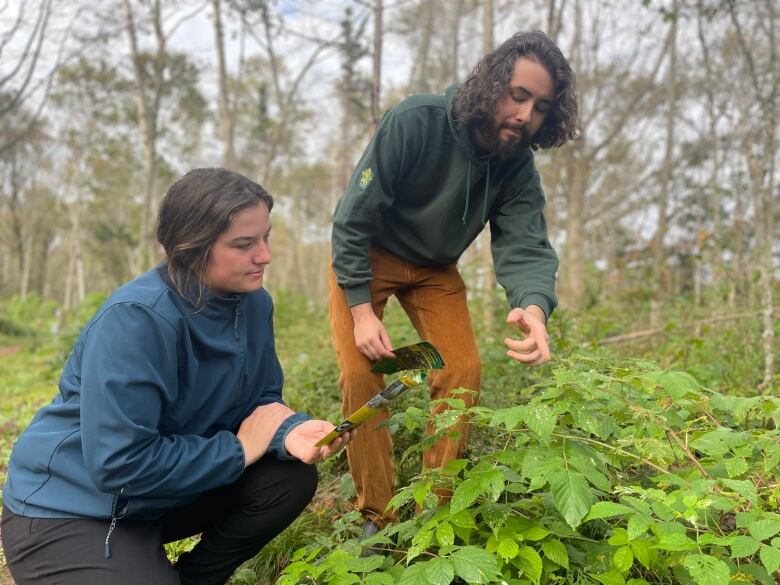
[257, 430]
[300, 441]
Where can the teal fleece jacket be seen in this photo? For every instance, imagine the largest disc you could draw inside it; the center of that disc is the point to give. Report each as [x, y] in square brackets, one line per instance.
[421, 192]
[148, 406]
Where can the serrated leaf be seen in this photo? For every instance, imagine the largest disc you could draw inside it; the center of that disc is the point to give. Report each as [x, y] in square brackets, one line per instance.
[641, 549]
[763, 529]
[540, 419]
[677, 384]
[610, 578]
[606, 510]
[474, 565]
[414, 575]
[715, 443]
[556, 551]
[744, 488]
[378, 579]
[530, 563]
[534, 533]
[770, 558]
[571, 495]
[465, 494]
[743, 546]
[736, 466]
[445, 535]
[508, 417]
[364, 564]
[495, 515]
[707, 570]
[420, 491]
[623, 559]
[675, 542]
[507, 548]
[439, 571]
[637, 526]
[347, 579]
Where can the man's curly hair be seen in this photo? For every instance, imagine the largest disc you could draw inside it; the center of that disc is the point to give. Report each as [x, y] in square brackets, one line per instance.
[475, 100]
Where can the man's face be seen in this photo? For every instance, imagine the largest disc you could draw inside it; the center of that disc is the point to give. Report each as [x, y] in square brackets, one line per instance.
[521, 112]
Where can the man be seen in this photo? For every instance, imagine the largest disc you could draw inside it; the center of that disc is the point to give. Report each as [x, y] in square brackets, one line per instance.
[436, 171]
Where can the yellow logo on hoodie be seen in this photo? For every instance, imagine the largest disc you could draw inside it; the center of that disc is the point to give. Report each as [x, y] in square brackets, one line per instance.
[365, 177]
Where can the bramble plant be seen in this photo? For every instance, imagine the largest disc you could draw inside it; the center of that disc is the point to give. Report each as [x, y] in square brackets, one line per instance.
[619, 474]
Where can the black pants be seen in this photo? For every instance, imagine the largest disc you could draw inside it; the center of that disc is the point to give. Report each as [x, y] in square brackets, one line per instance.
[236, 520]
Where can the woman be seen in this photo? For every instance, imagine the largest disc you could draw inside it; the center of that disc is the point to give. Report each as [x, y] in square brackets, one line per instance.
[169, 419]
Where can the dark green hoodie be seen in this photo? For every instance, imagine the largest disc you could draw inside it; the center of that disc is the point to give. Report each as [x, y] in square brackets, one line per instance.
[421, 192]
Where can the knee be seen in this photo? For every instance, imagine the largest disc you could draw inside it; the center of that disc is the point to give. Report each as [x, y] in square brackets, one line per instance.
[302, 480]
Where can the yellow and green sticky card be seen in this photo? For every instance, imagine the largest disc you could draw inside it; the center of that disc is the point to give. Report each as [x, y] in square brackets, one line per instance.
[418, 358]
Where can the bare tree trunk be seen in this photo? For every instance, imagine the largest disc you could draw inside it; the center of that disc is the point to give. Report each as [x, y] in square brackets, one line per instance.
[225, 109]
[420, 73]
[658, 276]
[486, 270]
[456, 15]
[376, 72]
[147, 107]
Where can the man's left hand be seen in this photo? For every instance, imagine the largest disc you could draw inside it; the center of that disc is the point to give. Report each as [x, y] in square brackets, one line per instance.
[533, 349]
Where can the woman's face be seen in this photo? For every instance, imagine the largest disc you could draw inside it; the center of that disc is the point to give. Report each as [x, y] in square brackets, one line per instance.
[241, 253]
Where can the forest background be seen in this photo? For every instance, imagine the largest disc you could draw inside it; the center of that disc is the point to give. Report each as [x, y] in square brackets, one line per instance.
[663, 213]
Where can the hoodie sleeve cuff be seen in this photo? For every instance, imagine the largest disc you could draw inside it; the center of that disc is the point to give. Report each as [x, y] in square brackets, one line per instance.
[539, 300]
[276, 448]
[357, 295]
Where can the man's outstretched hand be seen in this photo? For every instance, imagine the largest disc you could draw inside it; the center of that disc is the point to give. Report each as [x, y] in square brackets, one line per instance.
[533, 349]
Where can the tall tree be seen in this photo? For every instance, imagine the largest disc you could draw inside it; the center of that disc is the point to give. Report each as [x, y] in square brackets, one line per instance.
[225, 106]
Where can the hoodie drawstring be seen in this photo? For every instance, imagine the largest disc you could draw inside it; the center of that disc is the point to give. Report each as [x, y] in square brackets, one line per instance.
[468, 195]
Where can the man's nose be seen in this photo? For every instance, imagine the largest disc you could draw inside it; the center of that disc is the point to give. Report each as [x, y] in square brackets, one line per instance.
[523, 112]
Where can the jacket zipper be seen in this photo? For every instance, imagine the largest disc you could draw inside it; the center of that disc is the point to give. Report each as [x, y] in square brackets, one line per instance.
[235, 322]
[114, 518]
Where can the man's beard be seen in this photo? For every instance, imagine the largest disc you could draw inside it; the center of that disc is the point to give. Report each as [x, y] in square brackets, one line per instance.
[512, 147]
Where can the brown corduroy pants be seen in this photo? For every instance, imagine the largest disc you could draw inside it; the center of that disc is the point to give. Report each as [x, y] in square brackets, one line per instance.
[434, 298]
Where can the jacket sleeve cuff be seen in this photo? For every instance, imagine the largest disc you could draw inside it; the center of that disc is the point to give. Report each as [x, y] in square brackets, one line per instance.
[276, 448]
[357, 295]
[537, 299]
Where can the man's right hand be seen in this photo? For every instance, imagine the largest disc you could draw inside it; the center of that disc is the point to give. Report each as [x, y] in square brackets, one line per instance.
[370, 334]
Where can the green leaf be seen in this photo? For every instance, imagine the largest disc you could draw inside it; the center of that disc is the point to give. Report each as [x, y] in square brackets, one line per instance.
[420, 491]
[677, 384]
[610, 578]
[619, 537]
[637, 582]
[623, 559]
[364, 564]
[445, 535]
[347, 579]
[641, 550]
[763, 529]
[439, 571]
[744, 488]
[474, 565]
[743, 546]
[534, 533]
[606, 510]
[675, 542]
[465, 494]
[530, 563]
[540, 420]
[707, 570]
[414, 575]
[507, 548]
[509, 417]
[571, 496]
[736, 466]
[770, 557]
[556, 551]
[638, 525]
[715, 443]
[378, 579]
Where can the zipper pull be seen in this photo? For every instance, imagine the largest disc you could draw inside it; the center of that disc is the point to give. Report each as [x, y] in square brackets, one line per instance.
[106, 547]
